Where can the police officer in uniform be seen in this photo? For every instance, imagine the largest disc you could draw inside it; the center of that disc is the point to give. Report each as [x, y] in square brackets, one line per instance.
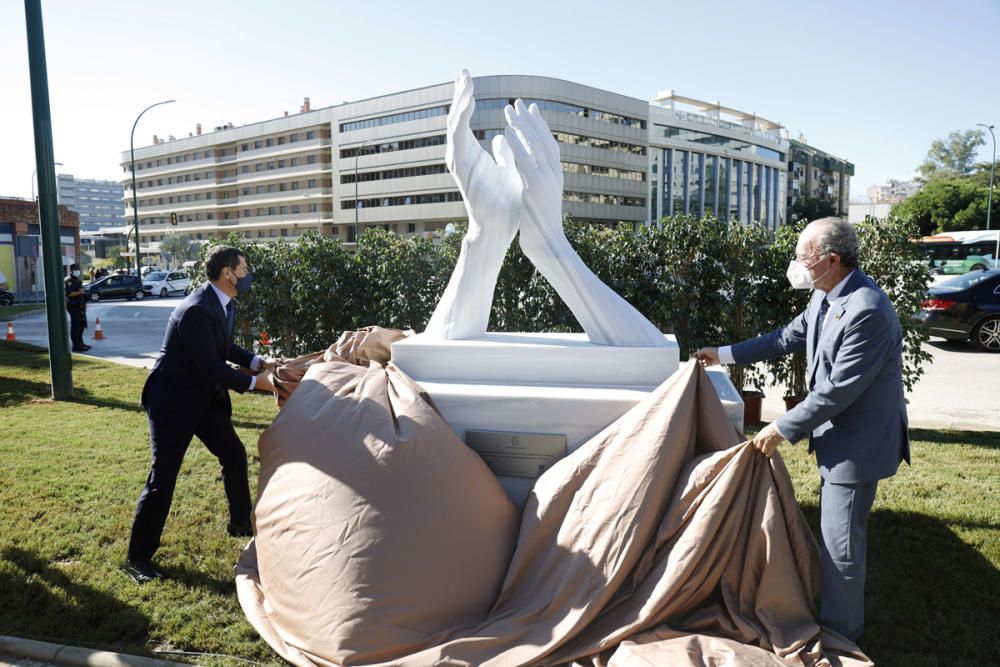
[76, 304]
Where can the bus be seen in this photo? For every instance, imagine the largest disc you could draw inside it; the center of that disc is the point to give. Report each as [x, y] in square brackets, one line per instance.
[955, 253]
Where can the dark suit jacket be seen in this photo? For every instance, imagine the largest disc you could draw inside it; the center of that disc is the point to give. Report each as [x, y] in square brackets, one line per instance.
[191, 374]
[855, 413]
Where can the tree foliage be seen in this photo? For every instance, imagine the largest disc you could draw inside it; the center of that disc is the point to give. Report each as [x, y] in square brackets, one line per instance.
[179, 248]
[950, 204]
[700, 279]
[952, 156]
[811, 208]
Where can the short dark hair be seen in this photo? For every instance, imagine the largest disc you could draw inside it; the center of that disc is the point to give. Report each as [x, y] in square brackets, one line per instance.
[219, 258]
[74, 267]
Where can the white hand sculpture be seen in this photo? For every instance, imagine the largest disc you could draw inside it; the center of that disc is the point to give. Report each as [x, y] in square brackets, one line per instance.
[492, 195]
[606, 317]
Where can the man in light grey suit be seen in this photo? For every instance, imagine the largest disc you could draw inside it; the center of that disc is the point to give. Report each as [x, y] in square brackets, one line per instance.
[855, 413]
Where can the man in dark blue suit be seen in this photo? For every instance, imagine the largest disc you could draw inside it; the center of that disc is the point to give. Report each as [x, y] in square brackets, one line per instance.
[855, 413]
[187, 394]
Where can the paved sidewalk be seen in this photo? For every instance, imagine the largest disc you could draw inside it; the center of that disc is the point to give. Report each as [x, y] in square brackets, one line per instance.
[29, 653]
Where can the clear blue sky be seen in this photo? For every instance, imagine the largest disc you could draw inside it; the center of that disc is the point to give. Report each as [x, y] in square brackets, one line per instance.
[874, 82]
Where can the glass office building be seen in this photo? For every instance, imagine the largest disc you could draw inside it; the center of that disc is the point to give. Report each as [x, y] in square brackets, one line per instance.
[701, 163]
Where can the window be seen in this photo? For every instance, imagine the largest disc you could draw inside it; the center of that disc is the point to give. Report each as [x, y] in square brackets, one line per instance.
[411, 228]
[395, 118]
[284, 231]
[281, 141]
[257, 144]
[405, 200]
[268, 142]
[311, 183]
[311, 134]
[410, 144]
[310, 159]
[244, 148]
[292, 138]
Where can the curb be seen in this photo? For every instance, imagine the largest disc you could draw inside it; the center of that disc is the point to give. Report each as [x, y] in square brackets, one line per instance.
[61, 654]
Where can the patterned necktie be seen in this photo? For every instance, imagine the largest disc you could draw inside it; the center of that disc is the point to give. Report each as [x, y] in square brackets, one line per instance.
[824, 307]
[230, 317]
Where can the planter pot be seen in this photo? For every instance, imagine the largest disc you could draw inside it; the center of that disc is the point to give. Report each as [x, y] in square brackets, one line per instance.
[752, 401]
[792, 401]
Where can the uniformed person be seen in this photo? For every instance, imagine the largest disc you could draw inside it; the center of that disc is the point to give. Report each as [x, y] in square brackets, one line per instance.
[76, 304]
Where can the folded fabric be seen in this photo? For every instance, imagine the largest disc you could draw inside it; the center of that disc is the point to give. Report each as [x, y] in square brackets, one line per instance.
[665, 540]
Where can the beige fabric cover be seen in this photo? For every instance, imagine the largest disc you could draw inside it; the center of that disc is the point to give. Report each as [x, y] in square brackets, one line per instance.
[381, 539]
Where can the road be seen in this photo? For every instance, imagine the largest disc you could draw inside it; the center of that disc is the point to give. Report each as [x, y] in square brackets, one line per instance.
[958, 390]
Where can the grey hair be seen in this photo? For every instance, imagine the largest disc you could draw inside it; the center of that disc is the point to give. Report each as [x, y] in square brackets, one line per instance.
[837, 236]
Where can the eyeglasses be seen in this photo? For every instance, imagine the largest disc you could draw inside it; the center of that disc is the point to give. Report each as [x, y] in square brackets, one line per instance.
[802, 260]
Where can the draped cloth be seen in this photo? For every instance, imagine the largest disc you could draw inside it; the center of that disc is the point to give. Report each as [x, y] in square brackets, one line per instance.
[381, 539]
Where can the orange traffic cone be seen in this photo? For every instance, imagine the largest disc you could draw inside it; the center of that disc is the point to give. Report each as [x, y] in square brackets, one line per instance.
[98, 333]
[10, 332]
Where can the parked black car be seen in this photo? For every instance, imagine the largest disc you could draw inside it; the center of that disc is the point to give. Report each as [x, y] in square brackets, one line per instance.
[965, 308]
[115, 287]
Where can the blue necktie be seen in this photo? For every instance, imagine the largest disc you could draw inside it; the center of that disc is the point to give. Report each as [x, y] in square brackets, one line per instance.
[230, 317]
[824, 307]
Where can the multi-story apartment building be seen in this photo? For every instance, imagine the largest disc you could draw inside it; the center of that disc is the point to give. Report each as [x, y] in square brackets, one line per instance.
[99, 203]
[893, 192]
[819, 175]
[380, 161]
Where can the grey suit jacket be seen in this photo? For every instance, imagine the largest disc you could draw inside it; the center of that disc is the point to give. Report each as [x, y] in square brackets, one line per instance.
[855, 413]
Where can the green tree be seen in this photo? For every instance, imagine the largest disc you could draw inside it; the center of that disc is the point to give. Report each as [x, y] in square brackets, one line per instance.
[953, 156]
[114, 254]
[180, 248]
[949, 204]
[810, 208]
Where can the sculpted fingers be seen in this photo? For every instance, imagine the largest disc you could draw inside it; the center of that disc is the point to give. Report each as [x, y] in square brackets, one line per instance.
[462, 145]
[542, 139]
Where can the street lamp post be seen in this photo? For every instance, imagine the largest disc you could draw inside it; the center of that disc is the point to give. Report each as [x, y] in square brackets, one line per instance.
[357, 203]
[989, 197]
[135, 208]
[34, 172]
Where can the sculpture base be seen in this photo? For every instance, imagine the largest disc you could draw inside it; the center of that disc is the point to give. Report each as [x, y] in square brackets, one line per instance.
[557, 384]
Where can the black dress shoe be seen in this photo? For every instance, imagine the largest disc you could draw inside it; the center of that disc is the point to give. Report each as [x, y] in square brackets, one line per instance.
[240, 529]
[142, 571]
[81, 349]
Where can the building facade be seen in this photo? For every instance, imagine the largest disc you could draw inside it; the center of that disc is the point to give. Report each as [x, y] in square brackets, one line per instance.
[99, 203]
[21, 244]
[893, 192]
[380, 162]
[818, 175]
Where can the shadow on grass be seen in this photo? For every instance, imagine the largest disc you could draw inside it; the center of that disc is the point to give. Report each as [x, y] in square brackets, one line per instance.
[931, 599]
[989, 439]
[41, 602]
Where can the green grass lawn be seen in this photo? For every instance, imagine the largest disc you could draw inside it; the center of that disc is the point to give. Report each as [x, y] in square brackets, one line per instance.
[70, 473]
[8, 313]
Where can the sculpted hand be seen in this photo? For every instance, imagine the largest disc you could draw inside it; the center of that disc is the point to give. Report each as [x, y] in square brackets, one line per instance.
[767, 440]
[491, 191]
[606, 317]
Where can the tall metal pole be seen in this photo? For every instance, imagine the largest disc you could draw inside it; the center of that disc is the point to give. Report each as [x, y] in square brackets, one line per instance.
[135, 208]
[60, 364]
[989, 197]
[357, 237]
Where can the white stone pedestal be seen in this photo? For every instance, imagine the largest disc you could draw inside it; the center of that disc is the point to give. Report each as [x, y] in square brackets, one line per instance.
[558, 384]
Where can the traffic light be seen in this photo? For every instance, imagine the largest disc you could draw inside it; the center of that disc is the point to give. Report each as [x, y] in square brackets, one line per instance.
[173, 218]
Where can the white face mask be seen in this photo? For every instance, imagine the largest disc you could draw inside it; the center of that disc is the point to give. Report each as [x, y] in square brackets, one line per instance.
[76, 274]
[799, 276]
